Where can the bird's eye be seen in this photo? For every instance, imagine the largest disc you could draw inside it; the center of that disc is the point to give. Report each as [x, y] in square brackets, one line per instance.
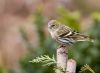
[52, 25]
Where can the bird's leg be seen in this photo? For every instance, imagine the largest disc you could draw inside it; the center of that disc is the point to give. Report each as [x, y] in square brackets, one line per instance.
[62, 46]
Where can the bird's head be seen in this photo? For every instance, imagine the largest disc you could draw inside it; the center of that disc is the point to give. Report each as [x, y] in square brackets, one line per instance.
[53, 25]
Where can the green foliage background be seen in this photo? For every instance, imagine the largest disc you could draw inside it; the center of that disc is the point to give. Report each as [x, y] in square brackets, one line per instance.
[82, 52]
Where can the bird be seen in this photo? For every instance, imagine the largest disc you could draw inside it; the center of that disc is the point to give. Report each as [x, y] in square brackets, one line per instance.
[65, 35]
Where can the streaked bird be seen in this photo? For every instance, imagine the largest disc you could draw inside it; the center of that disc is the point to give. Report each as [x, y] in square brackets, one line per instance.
[64, 34]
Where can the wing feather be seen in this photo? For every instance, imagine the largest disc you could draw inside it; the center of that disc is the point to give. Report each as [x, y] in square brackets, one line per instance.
[64, 31]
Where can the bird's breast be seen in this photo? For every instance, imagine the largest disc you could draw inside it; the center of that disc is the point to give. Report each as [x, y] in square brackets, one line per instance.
[53, 35]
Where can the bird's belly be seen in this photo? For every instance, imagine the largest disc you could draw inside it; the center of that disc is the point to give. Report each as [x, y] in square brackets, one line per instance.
[65, 41]
[53, 35]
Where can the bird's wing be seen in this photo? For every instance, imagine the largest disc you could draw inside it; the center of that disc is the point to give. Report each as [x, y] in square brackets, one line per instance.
[64, 31]
[79, 37]
[63, 34]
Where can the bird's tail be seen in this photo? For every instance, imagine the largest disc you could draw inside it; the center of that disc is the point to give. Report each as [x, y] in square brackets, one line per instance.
[85, 38]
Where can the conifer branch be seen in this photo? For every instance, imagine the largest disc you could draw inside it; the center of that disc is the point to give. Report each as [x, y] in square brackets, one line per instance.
[45, 59]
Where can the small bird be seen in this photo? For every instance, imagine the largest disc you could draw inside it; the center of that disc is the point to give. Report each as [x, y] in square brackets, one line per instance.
[64, 35]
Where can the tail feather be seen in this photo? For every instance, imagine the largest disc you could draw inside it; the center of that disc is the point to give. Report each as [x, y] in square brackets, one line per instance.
[85, 38]
[81, 37]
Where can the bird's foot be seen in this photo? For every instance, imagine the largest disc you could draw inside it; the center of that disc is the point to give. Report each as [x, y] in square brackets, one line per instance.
[62, 46]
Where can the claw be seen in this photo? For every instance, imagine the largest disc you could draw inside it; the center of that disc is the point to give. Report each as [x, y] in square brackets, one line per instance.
[62, 46]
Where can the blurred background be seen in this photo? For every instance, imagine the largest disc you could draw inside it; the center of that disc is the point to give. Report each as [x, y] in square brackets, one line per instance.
[24, 34]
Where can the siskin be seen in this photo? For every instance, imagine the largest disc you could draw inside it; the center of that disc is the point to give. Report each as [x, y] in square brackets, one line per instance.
[64, 34]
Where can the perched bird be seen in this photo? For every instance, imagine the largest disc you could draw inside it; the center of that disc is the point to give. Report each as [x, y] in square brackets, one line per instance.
[64, 34]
